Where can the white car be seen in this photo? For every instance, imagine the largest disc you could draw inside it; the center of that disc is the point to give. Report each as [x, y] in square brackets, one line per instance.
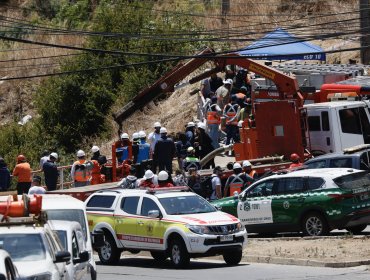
[72, 238]
[35, 250]
[8, 271]
[168, 223]
[67, 208]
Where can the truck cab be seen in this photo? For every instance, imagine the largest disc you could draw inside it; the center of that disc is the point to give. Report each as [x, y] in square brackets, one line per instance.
[335, 126]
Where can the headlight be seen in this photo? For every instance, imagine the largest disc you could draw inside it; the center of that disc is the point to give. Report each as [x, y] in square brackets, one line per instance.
[240, 227]
[198, 229]
[43, 276]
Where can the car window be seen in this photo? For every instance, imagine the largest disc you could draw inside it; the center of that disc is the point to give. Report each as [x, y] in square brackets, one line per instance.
[75, 249]
[62, 234]
[182, 205]
[341, 162]
[148, 205]
[314, 123]
[129, 204]
[365, 161]
[357, 180]
[290, 185]
[350, 121]
[315, 183]
[263, 189]
[23, 247]
[101, 201]
[316, 164]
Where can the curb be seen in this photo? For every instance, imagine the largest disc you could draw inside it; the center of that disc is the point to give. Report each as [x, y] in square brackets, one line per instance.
[302, 262]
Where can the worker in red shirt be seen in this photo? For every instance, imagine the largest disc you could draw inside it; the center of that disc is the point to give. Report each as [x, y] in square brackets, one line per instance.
[148, 180]
[296, 161]
[23, 171]
[163, 180]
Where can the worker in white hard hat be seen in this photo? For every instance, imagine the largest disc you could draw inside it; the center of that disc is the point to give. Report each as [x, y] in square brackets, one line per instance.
[101, 160]
[144, 148]
[164, 151]
[247, 169]
[164, 180]
[153, 137]
[51, 173]
[237, 182]
[123, 149]
[135, 146]
[81, 170]
[149, 180]
[223, 93]
[191, 161]
[190, 132]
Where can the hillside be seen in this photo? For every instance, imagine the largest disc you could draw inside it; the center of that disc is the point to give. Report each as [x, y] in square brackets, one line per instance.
[230, 27]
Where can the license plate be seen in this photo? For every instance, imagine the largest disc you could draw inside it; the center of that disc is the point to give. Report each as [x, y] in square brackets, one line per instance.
[226, 238]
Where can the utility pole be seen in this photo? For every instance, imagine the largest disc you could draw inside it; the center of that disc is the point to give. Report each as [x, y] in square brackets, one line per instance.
[365, 31]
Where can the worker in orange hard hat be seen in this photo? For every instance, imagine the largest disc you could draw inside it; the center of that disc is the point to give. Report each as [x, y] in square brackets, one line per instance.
[23, 172]
[296, 160]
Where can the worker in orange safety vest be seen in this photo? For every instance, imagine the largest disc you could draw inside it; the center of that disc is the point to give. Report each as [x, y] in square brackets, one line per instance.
[237, 182]
[96, 176]
[247, 169]
[214, 113]
[81, 170]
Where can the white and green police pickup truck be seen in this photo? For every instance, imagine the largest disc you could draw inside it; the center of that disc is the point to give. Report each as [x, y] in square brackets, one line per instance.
[310, 201]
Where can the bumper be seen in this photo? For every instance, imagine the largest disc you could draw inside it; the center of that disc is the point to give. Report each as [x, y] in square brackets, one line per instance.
[353, 219]
[215, 244]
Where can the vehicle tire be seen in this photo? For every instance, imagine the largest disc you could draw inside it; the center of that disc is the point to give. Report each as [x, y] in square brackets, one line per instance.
[233, 258]
[109, 254]
[178, 253]
[159, 256]
[356, 229]
[315, 224]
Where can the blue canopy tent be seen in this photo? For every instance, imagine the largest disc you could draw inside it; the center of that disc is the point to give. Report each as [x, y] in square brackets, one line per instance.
[281, 45]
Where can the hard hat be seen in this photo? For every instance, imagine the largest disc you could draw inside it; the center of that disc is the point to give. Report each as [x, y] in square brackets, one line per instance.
[162, 176]
[135, 136]
[201, 125]
[191, 124]
[80, 153]
[246, 163]
[237, 165]
[54, 155]
[21, 158]
[294, 157]
[124, 136]
[148, 174]
[94, 149]
[163, 130]
[190, 150]
[142, 134]
[157, 124]
[228, 82]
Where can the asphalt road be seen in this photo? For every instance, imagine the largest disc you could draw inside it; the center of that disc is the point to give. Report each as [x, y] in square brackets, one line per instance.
[142, 268]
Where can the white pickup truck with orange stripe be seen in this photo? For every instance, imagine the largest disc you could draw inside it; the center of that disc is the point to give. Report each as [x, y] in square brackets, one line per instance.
[167, 222]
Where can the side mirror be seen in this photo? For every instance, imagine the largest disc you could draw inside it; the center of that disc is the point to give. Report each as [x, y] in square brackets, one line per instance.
[153, 214]
[83, 257]
[62, 256]
[98, 239]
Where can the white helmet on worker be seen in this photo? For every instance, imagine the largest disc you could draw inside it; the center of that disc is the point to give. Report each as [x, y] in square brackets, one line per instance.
[142, 134]
[95, 149]
[228, 82]
[191, 124]
[190, 150]
[80, 153]
[246, 163]
[157, 124]
[148, 174]
[162, 176]
[201, 125]
[125, 136]
[237, 166]
[135, 136]
[163, 130]
[53, 155]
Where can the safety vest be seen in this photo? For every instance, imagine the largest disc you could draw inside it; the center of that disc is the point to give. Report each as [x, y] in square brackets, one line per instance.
[236, 184]
[212, 115]
[191, 162]
[230, 113]
[95, 173]
[81, 175]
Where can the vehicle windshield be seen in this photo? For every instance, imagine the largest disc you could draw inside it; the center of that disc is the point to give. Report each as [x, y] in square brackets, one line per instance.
[182, 205]
[62, 234]
[23, 247]
[353, 181]
[73, 215]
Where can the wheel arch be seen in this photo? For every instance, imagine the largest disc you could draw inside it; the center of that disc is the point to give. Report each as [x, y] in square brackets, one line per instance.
[172, 234]
[107, 228]
[314, 209]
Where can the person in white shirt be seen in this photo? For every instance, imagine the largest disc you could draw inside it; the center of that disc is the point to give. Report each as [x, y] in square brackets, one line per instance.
[216, 184]
[36, 186]
[153, 138]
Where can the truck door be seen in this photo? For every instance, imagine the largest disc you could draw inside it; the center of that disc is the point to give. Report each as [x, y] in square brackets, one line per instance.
[126, 221]
[354, 127]
[321, 131]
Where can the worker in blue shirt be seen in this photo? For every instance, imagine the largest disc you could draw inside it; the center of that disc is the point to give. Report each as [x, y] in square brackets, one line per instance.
[144, 148]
